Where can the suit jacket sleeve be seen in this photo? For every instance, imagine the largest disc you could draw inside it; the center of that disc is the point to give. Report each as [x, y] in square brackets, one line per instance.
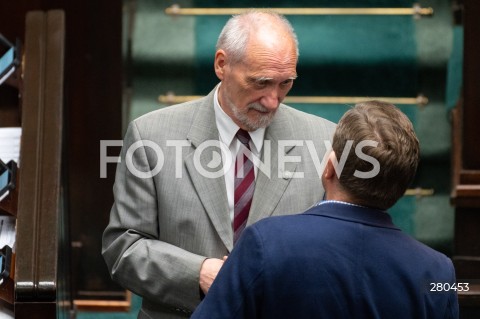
[452, 311]
[135, 256]
[238, 289]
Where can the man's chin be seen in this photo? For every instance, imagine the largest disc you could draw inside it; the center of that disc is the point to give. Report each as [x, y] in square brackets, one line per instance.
[259, 120]
[263, 121]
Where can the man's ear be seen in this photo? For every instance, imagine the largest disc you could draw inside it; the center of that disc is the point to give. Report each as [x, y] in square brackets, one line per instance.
[220, 63]
[329, 171]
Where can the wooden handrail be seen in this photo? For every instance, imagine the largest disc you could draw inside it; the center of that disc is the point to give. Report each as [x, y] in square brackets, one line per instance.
[416, 11]
[419, 192]
[420, 100]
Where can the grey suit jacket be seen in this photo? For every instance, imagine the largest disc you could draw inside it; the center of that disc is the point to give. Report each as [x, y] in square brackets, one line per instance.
[164, 224]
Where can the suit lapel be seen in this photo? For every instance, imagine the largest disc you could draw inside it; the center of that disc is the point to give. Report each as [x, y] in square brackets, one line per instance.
[212, 191]
[269, 190]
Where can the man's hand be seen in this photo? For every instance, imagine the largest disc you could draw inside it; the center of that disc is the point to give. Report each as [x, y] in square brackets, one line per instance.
[208, 272]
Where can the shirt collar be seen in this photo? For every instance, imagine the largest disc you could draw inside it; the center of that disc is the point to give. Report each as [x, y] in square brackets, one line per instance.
[227, 127]
[336, 202]
[354, 213]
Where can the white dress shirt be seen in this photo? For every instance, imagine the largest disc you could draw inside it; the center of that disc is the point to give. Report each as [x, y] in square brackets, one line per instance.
[227, 130]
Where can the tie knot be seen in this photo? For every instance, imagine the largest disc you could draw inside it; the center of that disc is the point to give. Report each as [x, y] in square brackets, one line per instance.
[243, 137]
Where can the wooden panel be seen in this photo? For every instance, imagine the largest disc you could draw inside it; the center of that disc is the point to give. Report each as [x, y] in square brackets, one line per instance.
[9, 114]
[39, 196]
[93, 112]
[466, 233]
[471, 93]
[470, 176]
[466, 163]
[94, 101]
[470, 298]
[105, 305]
[35, 310]
[472, 191]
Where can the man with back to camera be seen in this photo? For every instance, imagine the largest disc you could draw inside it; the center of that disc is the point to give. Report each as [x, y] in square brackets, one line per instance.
[170, 228]
[342, 258]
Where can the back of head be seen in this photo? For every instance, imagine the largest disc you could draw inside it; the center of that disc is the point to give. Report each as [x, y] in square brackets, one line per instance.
[396, 152]
[237, 31]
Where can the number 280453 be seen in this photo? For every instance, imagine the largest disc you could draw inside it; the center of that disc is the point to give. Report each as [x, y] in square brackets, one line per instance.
[446, 287]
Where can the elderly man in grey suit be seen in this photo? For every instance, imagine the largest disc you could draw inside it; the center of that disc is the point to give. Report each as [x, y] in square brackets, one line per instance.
[182, 192]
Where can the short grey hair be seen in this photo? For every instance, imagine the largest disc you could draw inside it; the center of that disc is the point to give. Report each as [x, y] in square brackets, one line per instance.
[235, 34]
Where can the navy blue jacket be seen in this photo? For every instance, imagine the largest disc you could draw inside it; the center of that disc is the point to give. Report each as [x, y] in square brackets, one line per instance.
[333, 261]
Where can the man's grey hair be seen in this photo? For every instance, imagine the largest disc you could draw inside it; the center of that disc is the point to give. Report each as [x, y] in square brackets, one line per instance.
[235, 34]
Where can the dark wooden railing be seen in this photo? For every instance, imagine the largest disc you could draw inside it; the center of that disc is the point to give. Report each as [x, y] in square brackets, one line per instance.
[466, 162]
[40, 286]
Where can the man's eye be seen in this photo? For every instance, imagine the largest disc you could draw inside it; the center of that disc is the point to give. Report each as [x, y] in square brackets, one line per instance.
[287, 82]
[261, 84]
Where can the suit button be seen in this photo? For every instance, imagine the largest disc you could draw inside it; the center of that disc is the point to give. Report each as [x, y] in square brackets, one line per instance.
[287, 175]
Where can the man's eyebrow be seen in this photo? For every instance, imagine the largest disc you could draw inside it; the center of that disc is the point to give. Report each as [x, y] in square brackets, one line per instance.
[265, 79]
[260, 79]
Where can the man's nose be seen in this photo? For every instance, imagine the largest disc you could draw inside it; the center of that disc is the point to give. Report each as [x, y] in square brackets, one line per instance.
[271, 99]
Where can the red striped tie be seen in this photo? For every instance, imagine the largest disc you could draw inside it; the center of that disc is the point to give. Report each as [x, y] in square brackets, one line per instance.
[244, 185]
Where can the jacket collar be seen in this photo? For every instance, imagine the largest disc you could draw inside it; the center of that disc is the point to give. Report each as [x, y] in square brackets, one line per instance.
[353, 213]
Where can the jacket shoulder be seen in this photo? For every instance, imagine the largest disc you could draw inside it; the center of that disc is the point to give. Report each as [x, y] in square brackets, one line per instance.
[173, 121]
